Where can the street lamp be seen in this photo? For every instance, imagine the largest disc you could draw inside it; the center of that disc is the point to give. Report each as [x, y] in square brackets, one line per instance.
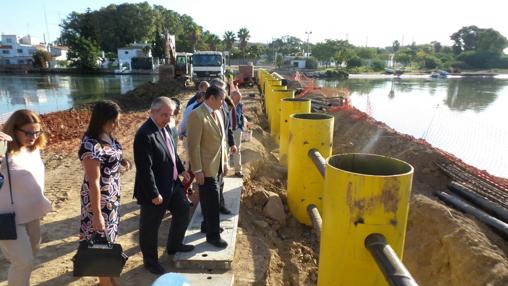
[308, 49]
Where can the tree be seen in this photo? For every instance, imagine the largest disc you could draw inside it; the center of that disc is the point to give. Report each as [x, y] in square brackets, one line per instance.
[229, 39]
[255, 51]
[213, 41]
[465, 39]
[158, 45]
[244, 36]
[83, 53]
[279, 60]
[324, 51]
[41, 58]
[288, 45]
[396, 46]
[491, 41]
[436, 46]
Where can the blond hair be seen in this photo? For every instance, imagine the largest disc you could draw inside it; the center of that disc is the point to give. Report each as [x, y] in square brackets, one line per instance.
[15, 122]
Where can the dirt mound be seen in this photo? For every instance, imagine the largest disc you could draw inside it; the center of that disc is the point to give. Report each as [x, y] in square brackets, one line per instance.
[142, 96]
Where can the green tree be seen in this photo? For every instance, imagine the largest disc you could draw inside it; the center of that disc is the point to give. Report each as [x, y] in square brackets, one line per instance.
[229, 39]
[244, 36]
[491, 41]
[324, 51]
[158, 45]
[41, 58]
[213, 41]
[83, 53]
[279, 60]
[395, 46]
[465, 39]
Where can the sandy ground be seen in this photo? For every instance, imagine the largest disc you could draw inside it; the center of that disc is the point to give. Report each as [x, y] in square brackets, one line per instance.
[443, 247]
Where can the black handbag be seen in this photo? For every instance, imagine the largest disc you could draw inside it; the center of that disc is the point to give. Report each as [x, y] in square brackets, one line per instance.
[7, 220]
[99, 257]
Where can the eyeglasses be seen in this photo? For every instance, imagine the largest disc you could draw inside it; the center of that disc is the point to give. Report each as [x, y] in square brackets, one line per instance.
[31, 134]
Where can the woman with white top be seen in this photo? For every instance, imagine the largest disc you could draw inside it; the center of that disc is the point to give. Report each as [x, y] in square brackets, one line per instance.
[27, 183]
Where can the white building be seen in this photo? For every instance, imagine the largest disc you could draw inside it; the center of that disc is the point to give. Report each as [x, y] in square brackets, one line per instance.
[58, 55]
[298, 63]
[12, 52]
[135, 50]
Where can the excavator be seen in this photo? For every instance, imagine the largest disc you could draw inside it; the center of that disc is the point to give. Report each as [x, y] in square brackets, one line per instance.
[176, 65]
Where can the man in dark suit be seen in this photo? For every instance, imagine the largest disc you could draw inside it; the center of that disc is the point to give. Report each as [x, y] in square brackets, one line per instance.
[207, 154]
[157, 187]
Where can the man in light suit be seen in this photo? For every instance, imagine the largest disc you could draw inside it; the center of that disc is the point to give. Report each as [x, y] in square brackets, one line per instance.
[157, 187]
[208, 158]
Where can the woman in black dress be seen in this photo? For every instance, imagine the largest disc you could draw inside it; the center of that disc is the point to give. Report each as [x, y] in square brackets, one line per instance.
[101, 157]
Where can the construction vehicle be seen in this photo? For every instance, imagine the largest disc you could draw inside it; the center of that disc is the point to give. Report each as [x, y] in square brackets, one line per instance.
[245, 75]
[183, 66]
[207, 65]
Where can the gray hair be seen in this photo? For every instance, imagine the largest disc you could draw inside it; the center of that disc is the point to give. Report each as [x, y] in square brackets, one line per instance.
[159, 101]
[218, 83]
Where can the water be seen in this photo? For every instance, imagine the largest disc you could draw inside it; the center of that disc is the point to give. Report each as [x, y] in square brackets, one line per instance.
[463, 116]
[47, 93]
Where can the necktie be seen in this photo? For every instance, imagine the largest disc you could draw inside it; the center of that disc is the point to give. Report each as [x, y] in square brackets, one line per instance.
[233, 114]
[169, 145]
[217, 121]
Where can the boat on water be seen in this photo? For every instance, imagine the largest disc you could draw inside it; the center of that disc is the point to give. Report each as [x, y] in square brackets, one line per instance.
[439, 74]
[396, 72]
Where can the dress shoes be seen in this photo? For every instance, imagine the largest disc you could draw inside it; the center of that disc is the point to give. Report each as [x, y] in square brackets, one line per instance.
[155, 268]
[220, 243]
[181, 248]
[224, 210]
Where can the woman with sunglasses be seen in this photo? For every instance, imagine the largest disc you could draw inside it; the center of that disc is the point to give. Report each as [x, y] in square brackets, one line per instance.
[101, 156]
[26, 172]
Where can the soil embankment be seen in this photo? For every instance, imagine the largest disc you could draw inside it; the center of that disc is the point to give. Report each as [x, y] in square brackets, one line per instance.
[443, 247]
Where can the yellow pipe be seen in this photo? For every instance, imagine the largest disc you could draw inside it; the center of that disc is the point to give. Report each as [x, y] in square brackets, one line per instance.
[305, 184]
[364, 194]
[266, 90]
[277, 96]
[270, 100]
[289, 106]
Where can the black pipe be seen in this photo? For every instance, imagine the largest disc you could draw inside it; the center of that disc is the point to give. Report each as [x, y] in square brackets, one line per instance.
[489, 207]
[316, 220]
[318, 160]
[396, 274]
[500, 227]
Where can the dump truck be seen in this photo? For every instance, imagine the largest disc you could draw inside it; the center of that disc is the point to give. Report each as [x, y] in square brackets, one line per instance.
[207, 65]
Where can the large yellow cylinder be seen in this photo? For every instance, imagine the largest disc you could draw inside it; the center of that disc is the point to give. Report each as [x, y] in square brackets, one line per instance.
[270, 100]
[277, 96]
[364, 194]
[288, 107]
[305, 184]
[266, 93]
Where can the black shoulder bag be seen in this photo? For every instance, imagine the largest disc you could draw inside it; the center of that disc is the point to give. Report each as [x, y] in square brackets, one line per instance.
[7, 220]
[99, 257]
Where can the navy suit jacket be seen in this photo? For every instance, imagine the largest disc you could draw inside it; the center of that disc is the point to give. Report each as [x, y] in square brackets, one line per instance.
[154, 167]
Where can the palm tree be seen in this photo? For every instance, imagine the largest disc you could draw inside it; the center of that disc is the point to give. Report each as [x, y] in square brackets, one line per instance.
[243, 36]
[229, 39]
[195, 35]
[213, 41]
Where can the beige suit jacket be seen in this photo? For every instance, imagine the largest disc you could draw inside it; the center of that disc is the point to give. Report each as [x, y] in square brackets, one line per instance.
[206, 142]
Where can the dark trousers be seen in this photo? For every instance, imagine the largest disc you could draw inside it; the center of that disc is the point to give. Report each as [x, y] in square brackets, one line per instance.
[150, 221]
[209, 201]
[221, 190]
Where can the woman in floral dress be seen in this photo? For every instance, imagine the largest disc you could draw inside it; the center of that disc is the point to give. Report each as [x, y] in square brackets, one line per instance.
[101, 157]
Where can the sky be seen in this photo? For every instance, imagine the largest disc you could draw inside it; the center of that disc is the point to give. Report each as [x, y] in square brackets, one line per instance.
[372, 23]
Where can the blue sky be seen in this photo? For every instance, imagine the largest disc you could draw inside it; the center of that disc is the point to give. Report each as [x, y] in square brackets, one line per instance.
[371, 22]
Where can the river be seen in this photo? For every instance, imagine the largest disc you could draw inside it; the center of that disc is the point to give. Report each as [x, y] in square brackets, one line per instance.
[463, 116]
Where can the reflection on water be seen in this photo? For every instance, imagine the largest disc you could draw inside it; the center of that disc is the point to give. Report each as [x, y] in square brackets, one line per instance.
[464, 116]
[47, 93]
